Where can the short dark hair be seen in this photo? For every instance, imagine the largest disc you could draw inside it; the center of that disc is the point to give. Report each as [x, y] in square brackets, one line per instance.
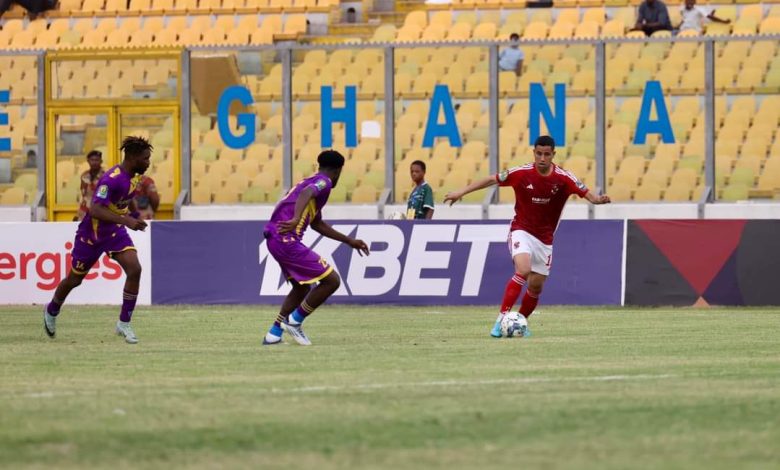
[545, 141]
[514, 37]
[97, 153]
[419, 163]
[330, 159]
[135, 145]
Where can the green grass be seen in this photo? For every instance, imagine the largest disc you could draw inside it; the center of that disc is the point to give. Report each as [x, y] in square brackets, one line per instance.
[392, 388]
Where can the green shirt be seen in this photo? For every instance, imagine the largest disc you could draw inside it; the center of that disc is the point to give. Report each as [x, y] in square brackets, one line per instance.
[420, 199]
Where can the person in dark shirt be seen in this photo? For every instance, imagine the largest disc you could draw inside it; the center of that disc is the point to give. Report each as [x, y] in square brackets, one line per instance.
[652, 16]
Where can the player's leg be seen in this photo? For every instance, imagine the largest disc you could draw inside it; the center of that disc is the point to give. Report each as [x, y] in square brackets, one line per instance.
[128, 260]
[326, 286]
[84, 256]
[541, 261]
[291, 302]
[521, 260]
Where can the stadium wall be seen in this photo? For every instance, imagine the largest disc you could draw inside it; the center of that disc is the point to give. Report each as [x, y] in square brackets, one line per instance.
[35, 257]
[665, 262]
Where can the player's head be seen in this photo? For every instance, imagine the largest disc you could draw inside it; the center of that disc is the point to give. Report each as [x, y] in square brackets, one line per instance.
[138, 152]
[544, 152]
[689, 4]
[417, 171]
[514, 37]
[331, 162]
[95, 160]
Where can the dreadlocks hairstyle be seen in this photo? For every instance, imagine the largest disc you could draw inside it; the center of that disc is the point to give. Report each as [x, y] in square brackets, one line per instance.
[135, 145]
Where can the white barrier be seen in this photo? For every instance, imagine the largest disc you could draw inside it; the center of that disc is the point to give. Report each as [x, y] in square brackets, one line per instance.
[35, 257]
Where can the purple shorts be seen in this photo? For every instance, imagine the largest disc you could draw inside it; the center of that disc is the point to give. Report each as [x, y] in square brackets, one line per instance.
[298, 262]
[86, 252]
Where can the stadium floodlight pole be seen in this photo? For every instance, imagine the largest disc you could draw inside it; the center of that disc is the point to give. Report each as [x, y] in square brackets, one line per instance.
[601, 158]
[185, 133]
[389, 126]
[40, 158]
[709, 127]
[287, 137]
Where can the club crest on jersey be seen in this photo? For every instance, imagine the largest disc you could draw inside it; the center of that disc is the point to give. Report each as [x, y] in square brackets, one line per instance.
[555, 189]
[102, 191]
[320, 184]
[503, 176]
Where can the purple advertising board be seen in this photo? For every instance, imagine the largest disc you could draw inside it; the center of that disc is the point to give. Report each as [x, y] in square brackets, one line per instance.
[424, 263]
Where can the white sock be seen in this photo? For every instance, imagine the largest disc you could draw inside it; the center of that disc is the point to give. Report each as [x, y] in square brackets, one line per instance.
[272, 338]
[500, 316]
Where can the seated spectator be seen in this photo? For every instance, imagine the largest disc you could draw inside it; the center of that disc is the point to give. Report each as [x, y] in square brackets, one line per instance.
[33, 7]
[89, 181]
[652, 16]
[147, 199]
[693, 17]
[511, 58]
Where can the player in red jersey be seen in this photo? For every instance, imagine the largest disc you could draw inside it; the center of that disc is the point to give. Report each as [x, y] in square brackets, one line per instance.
[541, 190]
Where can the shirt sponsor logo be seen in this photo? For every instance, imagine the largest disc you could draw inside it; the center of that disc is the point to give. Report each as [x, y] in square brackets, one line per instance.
[540, 200]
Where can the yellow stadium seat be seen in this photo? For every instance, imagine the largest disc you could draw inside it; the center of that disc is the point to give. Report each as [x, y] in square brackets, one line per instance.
[364, 194]
[13, 196]
[385, 33]
[770, 25]
[418, 18]
[442, 18]
[459, 32]
[648, 192]
[484, 31]
[535, 30]
[596, 15]
[140, 6]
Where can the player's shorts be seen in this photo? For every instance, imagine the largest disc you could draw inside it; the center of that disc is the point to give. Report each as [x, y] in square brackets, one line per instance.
[86, 252]
[521, 241]
[297, 260]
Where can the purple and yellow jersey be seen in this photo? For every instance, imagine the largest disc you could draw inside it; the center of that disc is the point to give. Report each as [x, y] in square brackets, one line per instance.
[285, 209]
[115, 189]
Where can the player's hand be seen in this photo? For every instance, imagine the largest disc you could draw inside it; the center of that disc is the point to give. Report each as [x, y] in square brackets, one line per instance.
[452, 197]
[288, 225]
[135, 224]
[360, 246]
[604, 199]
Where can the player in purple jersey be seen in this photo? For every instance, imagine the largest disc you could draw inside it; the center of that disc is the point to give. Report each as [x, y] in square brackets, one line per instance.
[297, 210]
[103, 231]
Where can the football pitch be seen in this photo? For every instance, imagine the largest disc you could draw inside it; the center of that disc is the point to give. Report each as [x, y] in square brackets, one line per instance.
[392, 387]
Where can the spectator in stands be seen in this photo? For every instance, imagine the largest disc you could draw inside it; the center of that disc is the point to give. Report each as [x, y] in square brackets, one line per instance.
[420, 205]
[652, 16]
[33, 7]
[147, 200]
[31, 159]
[693, 17]
[351, 15]
[89, 181]
[511, 58]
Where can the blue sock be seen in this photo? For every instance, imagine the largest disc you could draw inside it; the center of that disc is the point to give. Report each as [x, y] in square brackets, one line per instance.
[276, 330]
[297, 316]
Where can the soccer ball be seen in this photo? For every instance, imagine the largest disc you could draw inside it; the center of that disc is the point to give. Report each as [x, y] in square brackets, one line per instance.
[512, 325]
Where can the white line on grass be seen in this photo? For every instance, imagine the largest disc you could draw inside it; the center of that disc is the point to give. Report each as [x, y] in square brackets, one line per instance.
[384, 386]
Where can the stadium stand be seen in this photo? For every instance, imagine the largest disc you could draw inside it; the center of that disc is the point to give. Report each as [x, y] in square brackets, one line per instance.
[747, 81]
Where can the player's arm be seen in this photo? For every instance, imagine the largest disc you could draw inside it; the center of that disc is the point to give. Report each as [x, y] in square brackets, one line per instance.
[300, 204]
[593, 199]
[154, 196]
[455, 196]
[428, 202]
[103, 213]
[84, 187]
[327, 231]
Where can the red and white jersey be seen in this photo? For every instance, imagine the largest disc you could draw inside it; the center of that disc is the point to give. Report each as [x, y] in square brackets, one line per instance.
[539, 199]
